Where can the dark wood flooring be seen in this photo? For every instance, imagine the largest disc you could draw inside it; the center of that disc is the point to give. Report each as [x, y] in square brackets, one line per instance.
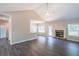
[43, 46]
[4, 47]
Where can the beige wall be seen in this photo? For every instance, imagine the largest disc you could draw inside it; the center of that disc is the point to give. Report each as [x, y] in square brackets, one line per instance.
[20, 24]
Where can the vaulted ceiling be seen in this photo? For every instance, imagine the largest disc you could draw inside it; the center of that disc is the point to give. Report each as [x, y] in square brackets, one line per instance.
[6, 7]
[56, 10]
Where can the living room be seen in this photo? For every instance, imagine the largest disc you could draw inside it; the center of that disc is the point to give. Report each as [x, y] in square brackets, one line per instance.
[40, 28]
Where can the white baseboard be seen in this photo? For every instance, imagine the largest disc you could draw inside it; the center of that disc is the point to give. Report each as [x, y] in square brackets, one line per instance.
[23, 41]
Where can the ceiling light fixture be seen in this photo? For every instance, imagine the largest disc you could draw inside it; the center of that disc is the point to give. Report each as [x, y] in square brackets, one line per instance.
[47, 13]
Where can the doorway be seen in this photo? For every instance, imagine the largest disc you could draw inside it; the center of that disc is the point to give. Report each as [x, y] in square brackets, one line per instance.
[3, 29]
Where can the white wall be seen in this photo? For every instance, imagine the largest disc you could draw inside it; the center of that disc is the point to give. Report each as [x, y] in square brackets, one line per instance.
[20, 24]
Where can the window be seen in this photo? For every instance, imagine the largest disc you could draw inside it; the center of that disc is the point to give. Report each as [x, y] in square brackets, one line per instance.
[73, 29]
[41, 28]
[33, 27]
[37, 27]
[50, 29]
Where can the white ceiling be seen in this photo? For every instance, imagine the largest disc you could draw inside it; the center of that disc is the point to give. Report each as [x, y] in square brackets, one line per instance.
[56, 10]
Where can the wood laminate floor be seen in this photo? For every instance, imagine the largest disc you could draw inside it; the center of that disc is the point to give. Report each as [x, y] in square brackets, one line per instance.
[43, 46]
[4, 47]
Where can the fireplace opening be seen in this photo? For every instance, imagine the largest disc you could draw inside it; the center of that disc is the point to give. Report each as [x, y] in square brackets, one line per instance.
[59, 34]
